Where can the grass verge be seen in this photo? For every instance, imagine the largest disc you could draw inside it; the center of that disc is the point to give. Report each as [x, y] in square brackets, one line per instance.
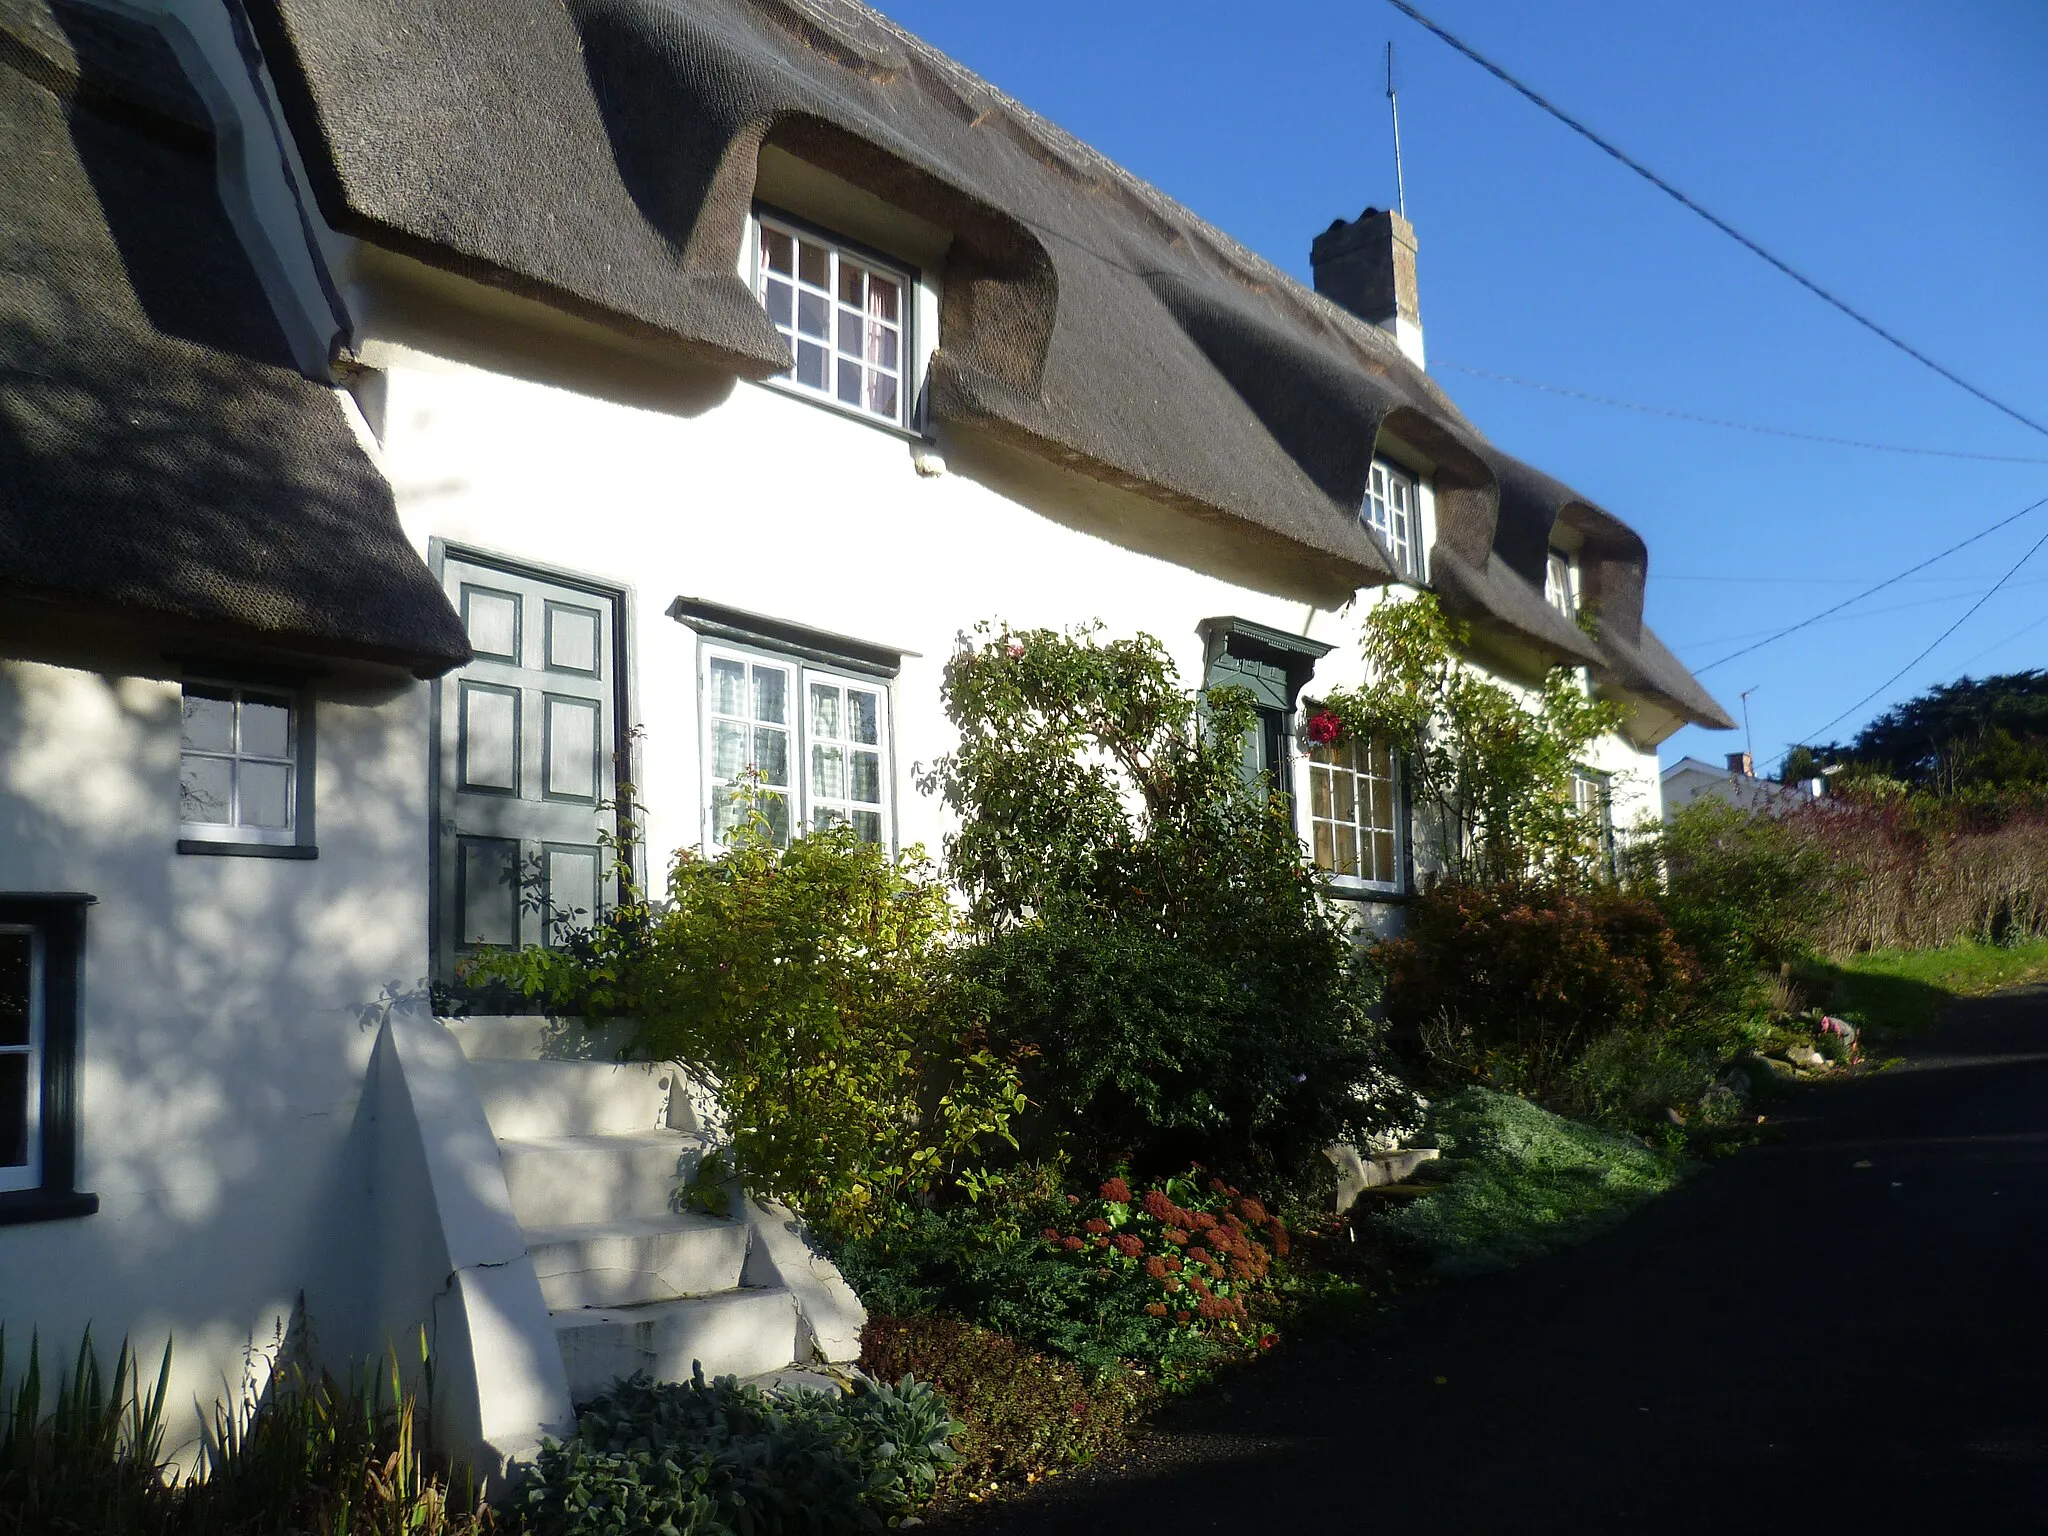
[1521, 1182]
[1908, 989]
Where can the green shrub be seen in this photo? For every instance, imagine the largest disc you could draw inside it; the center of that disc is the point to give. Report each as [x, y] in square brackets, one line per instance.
[1171, 1278]
[1026, 1416]
[1521, 1182]
[1149, 938]
[810, 985]
[729, 1460]
[1743, 892]
[1511, 983]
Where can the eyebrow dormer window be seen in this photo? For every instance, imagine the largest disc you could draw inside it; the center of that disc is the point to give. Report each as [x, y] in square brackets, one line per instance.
[1393, 510]
[1560, 588]
[844, 315]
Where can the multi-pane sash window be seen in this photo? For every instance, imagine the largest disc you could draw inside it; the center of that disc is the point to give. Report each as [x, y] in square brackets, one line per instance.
[1354, 818]
[1593, 798]
[845, 782]
[810, 766]
[21, 1056]
[1557, 584]
[238, 767]
[843, 317]
[1393, 510]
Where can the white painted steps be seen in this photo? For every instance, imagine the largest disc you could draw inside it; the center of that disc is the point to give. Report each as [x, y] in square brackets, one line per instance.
[620, 1263]
[593, 1151]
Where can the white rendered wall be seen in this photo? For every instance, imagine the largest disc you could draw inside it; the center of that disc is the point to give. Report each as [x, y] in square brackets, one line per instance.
[229, 1008]
[768, 503]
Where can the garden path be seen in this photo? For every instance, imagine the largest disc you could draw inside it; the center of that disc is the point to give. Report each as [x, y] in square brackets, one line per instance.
[1841, 1330]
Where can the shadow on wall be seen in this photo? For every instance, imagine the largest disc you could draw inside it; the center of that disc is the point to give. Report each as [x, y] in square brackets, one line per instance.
[228, 1024]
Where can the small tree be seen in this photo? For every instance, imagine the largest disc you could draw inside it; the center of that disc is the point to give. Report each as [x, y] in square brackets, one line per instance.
[1489, 773]
[1147, 925]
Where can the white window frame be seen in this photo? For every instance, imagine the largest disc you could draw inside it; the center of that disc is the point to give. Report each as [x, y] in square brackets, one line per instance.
[1561, 582]
[1398, 801]
[841, 251]
[1399, 527]
[1593, 793]
[297, 762]
[804, 799]
[29, 1175]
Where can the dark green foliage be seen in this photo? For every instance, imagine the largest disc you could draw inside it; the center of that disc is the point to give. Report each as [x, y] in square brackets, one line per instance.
[1742, 892]
[1511, 983]
[1145, 921]
[1973, 734]
[1026, 1416]
[722, 1459]
[1172, 1278]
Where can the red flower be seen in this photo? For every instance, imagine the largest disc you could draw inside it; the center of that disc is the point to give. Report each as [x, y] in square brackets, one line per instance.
[1175, 1236]
[1324, 728]
[1183, 1317]
[1095, 1224]
[1219, 1186]
[1156, 1268]
[1172, 1263]
[1155, 1309]
[1204, 1220]
[1172, 1284]
[1157, 1206]
[1116, 1190]
[1127, 1245]
[1071, 1244]
[1266, 1341]
[1252, 1211]
[1198, 1255]
[1052, 1234]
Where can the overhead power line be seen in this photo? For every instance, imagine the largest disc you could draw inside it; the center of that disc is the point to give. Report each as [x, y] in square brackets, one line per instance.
[2032, 549]
[1911, 570]
[1739, 426]
[1712, 218]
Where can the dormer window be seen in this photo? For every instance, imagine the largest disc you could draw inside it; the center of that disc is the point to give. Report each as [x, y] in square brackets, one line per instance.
[1393, 510]
[1560, 584]
[845, 315]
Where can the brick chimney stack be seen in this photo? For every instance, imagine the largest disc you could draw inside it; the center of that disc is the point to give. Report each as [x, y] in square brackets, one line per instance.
[1368, 266]
[1738, 762]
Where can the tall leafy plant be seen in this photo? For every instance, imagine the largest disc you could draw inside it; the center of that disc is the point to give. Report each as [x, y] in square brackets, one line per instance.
[810, 988]
[1489, 771]
[1146, 927]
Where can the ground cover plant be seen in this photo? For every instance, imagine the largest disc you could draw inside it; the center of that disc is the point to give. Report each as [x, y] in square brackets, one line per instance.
[1173, 1278]
[721, 1458]
[1520, 1182]
[1025, 1414]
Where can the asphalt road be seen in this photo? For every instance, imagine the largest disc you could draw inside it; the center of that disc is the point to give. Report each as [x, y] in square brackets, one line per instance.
[1845, 1330]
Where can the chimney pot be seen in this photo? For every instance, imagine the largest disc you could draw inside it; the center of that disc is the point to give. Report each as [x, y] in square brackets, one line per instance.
[1367, 264]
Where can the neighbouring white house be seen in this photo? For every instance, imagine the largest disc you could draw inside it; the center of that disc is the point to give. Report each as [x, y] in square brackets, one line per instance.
[1738, 783]
[419, 417]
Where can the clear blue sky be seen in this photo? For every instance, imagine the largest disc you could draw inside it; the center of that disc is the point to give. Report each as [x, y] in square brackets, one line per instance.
[1895, 150]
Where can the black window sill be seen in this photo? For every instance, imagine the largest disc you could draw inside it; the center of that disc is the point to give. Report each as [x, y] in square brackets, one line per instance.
[248, 850]
[45, 1205]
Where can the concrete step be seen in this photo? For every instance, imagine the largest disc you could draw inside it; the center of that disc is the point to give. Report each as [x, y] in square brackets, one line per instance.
[573, 1098]
[735, 1333]
[625, 1263]
[563, 1181]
